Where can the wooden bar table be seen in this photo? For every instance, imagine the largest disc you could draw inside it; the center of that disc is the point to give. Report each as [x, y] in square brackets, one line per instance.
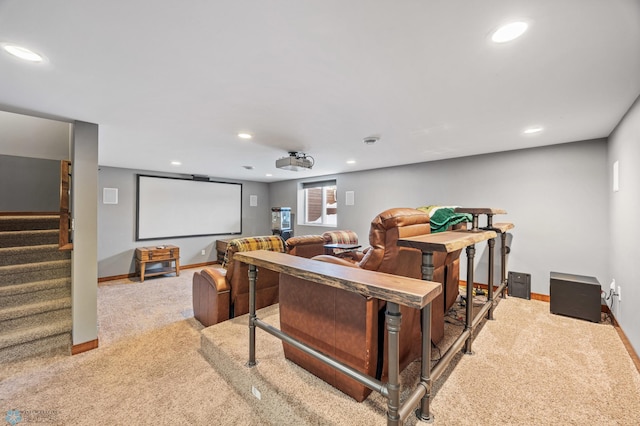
[395, 289]
[489, 212]
[475, 211]
[446, 242]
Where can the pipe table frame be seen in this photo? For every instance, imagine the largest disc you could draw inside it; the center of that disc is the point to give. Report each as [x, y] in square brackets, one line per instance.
[395, 289]
[448, 242]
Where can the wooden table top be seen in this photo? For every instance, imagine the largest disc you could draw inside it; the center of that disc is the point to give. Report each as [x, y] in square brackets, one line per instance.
[410, 292]
[447, 241]
[479, 210]
[503, 227]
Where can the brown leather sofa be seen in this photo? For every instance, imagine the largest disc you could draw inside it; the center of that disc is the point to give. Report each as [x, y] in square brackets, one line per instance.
[351, 327]
[223, 293]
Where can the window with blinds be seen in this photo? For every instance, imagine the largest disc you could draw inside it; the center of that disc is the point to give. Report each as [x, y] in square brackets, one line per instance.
[320, 203]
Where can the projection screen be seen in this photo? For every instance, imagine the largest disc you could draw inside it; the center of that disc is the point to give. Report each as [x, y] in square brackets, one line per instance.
[173, 207]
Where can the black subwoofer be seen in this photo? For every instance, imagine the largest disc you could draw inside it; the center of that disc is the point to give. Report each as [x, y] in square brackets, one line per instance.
[575, 296]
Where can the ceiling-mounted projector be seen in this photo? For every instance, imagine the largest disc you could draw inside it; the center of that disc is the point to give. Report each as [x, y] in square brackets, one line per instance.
[295, 161]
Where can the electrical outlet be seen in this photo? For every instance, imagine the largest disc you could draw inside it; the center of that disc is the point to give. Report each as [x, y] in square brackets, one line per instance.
[256, 392]
[613, 284]
[619, 295]
[203, 252]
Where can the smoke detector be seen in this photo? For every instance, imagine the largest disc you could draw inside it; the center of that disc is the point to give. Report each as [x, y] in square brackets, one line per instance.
[295, 161]
[370, 140]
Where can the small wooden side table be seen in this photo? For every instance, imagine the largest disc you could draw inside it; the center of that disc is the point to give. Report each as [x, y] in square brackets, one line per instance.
[167, 255]
[221, 249]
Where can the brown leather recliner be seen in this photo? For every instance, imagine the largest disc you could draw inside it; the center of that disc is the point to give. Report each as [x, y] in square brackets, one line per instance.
[385, 255]
[223, 293]
[313, 245]
[305, 246]
[351, 327]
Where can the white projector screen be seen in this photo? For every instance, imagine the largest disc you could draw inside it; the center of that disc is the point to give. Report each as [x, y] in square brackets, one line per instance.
[172, 207]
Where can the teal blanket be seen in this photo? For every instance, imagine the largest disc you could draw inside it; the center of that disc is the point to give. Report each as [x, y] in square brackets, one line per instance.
[444, 217]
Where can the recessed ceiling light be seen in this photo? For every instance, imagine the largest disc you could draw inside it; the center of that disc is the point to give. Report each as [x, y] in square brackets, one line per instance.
[509, 32]
[532, 130]
[22, 53]
[176, 163]
[268, 175]
[351, 161]
[244, 135]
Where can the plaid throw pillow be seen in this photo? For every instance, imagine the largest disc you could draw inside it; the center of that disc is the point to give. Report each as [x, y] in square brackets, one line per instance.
[269, 242]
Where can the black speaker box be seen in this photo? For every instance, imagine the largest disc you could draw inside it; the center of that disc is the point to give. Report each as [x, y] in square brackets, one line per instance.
[575, 296]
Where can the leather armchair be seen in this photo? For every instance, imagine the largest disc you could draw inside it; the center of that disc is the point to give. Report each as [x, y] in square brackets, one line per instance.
[351, 327]
[222, 293]
[385, 255]
[306, 246]
[313, 245]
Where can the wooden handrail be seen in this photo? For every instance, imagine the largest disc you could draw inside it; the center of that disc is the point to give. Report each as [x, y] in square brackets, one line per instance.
[411, 292]
[65, 241]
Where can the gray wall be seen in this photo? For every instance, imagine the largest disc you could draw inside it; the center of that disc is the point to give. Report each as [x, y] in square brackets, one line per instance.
[116, 223]
[624, 147]
[84, 275]
[29, 184]
[556, 196]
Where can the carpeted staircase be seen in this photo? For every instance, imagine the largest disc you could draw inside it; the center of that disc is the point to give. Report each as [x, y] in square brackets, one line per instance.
[35, 288]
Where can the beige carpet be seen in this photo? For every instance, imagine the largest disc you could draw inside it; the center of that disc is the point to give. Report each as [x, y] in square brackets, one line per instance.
[529, 367]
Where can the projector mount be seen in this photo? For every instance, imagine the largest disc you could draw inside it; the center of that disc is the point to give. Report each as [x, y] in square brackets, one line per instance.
[295, 161]
[300, 155]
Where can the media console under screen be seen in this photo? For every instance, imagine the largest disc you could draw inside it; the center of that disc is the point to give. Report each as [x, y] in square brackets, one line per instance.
[169, 207]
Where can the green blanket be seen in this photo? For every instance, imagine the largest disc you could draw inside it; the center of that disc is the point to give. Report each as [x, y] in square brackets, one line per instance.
[444, 217]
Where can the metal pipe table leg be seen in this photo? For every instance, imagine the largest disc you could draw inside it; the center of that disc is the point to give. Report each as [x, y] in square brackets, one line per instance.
[394, 320]
[492, 244]
[252, 316]
[503, 263]
[423, 412]
[474, 222]
[471, 252]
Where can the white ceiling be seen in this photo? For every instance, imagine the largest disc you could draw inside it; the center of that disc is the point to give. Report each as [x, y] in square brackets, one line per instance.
[175, 80]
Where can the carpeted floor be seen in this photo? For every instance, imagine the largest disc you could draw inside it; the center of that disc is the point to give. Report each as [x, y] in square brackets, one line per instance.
[529, 367]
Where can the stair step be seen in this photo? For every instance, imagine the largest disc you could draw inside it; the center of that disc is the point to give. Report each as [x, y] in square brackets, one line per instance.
[29, 238]
[28, 334]
[31, 254]
[54, 337]
[34, 297]
[18, 274]
[33, 287]
[20, 223]
[34, 321]
[9, 314]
